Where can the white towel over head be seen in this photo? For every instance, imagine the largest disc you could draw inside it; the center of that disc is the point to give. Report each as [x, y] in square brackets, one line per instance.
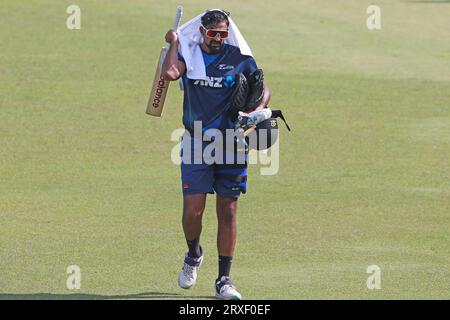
[190, 39]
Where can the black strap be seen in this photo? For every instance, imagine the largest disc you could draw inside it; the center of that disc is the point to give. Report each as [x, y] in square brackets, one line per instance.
[232, 165]
[231, 177]
[279, 114]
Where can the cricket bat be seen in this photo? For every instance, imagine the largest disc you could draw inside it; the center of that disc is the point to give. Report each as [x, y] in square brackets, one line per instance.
[160, 86]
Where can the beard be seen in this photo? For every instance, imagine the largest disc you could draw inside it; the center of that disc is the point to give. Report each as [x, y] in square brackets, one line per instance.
[214, 46]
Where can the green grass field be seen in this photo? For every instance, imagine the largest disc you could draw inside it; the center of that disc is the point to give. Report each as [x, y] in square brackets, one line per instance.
[87, 180]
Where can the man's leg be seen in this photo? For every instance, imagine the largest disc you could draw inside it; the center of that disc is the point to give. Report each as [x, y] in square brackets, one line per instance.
[193, 207]
[226, 240]
[226, 234]
[196, 180]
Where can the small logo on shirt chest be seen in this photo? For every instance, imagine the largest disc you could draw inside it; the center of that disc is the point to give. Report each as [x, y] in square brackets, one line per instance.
[225, 67]
[229, 81]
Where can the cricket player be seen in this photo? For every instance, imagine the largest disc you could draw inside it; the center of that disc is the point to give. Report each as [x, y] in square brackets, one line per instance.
[209, 103]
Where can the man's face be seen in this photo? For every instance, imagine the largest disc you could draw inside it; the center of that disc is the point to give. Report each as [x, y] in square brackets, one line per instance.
[214, 43]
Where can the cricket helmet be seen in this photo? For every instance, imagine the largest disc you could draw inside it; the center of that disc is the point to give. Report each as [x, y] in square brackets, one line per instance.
[266, 132]
[264, 135]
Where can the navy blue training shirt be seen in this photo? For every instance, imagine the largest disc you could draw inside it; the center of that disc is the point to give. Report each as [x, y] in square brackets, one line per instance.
[208, 100]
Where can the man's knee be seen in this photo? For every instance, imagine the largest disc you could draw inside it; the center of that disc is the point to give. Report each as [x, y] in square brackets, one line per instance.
[193, 212]
[193, 207]
[227, 208]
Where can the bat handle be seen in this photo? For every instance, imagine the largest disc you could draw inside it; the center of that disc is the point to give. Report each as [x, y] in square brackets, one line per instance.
[178, 15]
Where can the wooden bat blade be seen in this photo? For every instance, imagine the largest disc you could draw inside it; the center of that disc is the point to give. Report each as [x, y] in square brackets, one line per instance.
[160, 87]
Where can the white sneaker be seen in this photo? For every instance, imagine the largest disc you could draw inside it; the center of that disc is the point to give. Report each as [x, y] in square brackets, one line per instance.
[188, 274]
[225, 289]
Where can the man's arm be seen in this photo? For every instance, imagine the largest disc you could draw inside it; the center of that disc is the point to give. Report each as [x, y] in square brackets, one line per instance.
[266, 98]
[172, 68]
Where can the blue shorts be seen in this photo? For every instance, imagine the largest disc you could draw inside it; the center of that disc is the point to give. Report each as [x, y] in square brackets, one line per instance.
[199, 175]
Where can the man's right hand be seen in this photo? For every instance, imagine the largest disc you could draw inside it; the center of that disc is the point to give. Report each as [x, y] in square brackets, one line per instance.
[171, 37]
[172, 68]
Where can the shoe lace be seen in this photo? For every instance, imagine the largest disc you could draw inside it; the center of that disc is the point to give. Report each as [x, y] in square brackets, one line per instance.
[188, 270]
[224, 284]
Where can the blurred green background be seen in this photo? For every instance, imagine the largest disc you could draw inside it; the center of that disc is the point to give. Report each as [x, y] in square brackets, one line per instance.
[86, 177]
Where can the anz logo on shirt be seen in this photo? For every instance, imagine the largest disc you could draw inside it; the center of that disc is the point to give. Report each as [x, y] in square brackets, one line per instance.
[216, 82]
